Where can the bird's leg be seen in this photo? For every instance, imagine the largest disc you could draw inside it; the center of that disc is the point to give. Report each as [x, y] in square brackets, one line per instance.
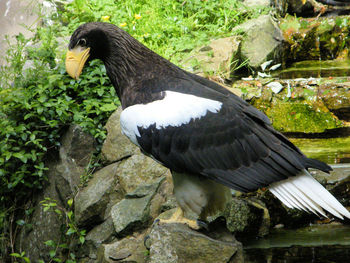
[178, 217]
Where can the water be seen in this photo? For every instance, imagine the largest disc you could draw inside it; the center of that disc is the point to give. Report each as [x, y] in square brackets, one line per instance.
[316, 69]
[318, 243]
[330, 150]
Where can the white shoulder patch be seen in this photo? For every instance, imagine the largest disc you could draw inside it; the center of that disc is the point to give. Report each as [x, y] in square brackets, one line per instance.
[175, 109]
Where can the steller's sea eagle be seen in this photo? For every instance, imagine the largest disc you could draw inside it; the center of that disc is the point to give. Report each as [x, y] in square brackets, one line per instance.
[209, 138]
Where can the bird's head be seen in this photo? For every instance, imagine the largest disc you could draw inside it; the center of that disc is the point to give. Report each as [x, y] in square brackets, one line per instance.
[89, 41]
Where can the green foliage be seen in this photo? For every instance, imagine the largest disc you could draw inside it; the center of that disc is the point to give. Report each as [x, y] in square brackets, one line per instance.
[38, 104]
[71, 233]
[21, 256]
[60, 250]
[168, 27]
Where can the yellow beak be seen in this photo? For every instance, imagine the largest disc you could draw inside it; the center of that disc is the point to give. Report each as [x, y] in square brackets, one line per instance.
[75, 61]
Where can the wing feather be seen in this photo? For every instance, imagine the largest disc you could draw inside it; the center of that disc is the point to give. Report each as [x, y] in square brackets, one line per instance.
[235, 145]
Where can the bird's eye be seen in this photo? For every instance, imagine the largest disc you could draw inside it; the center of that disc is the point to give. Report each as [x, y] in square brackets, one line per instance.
[82, 42]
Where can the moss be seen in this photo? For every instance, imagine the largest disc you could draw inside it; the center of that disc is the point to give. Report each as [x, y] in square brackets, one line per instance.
[311, 39]
[298, 116]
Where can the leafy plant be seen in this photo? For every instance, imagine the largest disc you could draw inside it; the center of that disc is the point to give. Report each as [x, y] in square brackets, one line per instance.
[21, 256]
[38, 103]
[71, 231]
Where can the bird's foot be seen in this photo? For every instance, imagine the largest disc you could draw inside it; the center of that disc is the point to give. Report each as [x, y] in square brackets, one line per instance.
[178, 218]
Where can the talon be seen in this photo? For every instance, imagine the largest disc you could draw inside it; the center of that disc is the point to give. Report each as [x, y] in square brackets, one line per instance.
[202, 224]
[179, 218]
[146, 243]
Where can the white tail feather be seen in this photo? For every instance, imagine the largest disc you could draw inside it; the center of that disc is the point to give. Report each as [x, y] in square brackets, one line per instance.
[305, 193]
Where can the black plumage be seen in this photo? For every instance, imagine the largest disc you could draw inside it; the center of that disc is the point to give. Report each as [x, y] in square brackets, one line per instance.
[216, 135]
[229, 146]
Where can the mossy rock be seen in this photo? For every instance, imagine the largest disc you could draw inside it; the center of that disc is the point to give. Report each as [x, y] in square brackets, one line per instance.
[295, 116]
[310, 39]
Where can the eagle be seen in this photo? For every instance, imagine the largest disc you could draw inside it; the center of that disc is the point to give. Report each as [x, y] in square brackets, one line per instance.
[209, 138]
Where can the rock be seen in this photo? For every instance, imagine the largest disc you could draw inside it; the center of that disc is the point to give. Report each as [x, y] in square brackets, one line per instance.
[340, 173]
[130, 214]
[75, 154]
[275, 86]
[337, 99]
[215, 58]
[177, 243]
[337, 182]
[110, 184]
[63, 179]
[130, 249]
[306, 9]
[96, 237]
[139, 169]
[133, 212]
[101, 233]
[262, 41]
[342, 191]
[257, 3]
[302, 112]
[91, 202]
[247, 217]
[116, 146]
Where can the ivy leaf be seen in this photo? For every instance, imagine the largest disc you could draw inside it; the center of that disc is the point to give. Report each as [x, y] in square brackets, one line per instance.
[20, 222]
[109, 107]
[52, 253]
[50, 243]
[70, 231]
[70, 202]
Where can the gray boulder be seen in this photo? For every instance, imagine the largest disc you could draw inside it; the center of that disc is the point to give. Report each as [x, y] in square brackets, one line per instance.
[176, 243]
[91, 202]
[139, 169]
[216, 57]
[257, 3]
[116, 146]
[262, 41]
[129, 249]
[133, 212]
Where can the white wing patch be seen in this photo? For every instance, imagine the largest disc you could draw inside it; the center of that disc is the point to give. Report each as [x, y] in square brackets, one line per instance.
[175, 109]
[305, 193]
